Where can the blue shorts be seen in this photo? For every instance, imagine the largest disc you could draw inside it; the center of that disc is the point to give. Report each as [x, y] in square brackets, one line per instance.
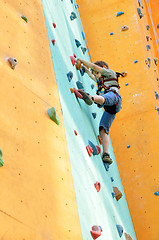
[107, 118]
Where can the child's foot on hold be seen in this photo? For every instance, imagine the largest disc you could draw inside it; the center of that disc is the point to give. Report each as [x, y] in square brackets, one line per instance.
[86, 97]
[106, 158]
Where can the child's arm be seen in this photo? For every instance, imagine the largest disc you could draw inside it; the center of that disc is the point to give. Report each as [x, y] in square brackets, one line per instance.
[91, 65]
[89, 74]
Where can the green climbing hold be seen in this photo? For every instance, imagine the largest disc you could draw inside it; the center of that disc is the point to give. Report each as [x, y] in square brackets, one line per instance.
[52, 114]
[24, 18]
[1, 161]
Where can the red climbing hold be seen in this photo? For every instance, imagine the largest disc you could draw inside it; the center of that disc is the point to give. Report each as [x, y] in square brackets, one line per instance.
[99, 149]
[75, 132]
[96, 232]
[53, 41]
[99, 139]
[97, 186]
[73, 60]
[54, 25]
[74, 55]
[89, 150]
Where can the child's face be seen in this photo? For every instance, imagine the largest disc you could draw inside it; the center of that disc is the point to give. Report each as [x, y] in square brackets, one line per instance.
[96, 74]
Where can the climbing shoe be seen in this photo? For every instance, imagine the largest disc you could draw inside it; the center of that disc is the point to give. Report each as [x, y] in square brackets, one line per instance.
[106, 158]
[86, 97]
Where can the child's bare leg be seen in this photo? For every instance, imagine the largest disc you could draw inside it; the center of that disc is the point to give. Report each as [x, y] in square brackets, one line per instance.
[105, 140]
[98, 99]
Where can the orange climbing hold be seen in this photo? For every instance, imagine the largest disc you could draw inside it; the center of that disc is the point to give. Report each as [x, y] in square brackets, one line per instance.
[97, 186]
[78, 64]
[96, 232]
[75, 91]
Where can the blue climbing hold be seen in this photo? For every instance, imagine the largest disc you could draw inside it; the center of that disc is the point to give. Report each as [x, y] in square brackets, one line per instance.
[76, 5]
[120, 230]
[106, 165]
[77, 43]
[111, 33]
[148, 47]
[113, 194]
[135, 61]
[128, 146]
[119, 13]
[157, 95]
[73, 16]
[69, 76]
[112, 179]
[79, 85]
[92, 86]
[94, 115]
[126, 84]
[83, 35]
[139, 13]
[157, 193]
[95, 150]
[82, 70]
[83, 50]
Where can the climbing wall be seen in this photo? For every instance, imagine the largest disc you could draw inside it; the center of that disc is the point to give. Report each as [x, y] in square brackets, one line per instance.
[134, 133]
[37, 198]
[100, 208]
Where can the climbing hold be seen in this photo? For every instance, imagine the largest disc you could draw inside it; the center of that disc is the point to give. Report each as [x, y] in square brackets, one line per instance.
[135, 61]
[111, 33]
[156, 60]
[54, 25]
[157, 25]
[124, 74]
[24, 18]
[52, 114]
[75, 91]
[69, 76]
[99, 139]
[83, 50]
[92, 86]
[96, 231]
[147, 38]
[119, 13]
[72, 1]
[95, 151]
[139, 2]
[128, 146]
[79, 85]
[83, 35]
[148, 47]
[139, 13]
[99, 149]
[126, 84]
[106, 165]
[77, 43]
[157, 193]
[124, 28]
[127, 236]
[157, 108]
[76, 5]
[94, 115]
[113, 194]
[120, 230]
[97, 186]
[112, 179]
[89, 150]
[157, 95]
[147, 27]
[75, 132]
[149, 61]
[117, 192]
[53, 41]
[73, 16]
[1, 161]
[78, 64]
[82, 70]
[13, 62]
[73, 60]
